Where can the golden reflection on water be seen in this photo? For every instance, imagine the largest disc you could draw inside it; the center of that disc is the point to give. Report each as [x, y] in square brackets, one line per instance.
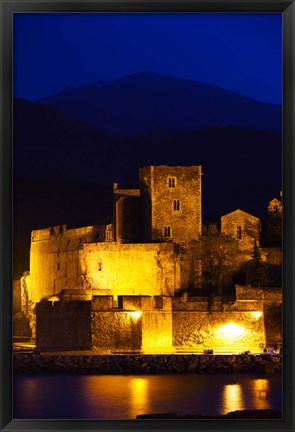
[261, 393]
[232, 398]
[138, 397]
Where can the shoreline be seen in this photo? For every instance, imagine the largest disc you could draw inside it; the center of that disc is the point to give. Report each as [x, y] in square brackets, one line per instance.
[139, 364]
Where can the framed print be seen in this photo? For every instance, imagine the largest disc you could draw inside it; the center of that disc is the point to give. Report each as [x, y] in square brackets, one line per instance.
[147, 208]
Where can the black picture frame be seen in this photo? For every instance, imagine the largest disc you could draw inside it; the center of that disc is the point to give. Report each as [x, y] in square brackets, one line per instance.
[7, 8]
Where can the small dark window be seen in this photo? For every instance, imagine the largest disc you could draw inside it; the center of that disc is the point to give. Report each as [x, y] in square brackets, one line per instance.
[58, 251]
[58, 266]
[239, 232]
[176, 205]
[167, 231]
[99, 266]
[276, 209]
[171, 182]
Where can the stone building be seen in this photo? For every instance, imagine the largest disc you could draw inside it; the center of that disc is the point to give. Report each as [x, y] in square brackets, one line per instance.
[275, 206]
[245, 228]
[147, 252]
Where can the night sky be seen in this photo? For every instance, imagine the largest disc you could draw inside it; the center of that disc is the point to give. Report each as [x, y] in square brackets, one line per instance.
[239, 52]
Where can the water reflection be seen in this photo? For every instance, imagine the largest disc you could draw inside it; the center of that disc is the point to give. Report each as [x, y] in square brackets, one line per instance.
[256, 393]
[124, 397]
[261, 390]
[232, 398]
[139, 396]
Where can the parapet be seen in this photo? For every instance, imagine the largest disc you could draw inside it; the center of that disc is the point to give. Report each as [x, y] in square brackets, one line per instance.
[131, 303]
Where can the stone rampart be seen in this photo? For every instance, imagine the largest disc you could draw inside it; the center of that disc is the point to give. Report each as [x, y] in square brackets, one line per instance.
[63, 325]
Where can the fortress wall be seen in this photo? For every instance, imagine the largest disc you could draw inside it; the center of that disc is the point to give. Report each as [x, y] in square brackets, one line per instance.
[131, 269]
[63, 325]
[156, 331]
[54, 260]
[233, 332]
[116, 330]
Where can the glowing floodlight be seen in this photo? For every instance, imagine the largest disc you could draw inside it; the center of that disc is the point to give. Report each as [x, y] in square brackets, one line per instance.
[231, 331]
[257, 314]
[136, 314]
[53, 299]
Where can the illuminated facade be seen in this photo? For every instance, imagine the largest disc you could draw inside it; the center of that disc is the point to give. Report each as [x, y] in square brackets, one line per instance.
[147, 251]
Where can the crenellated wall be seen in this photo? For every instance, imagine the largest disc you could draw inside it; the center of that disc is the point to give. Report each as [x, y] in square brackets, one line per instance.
[157, 324]
[55, 260]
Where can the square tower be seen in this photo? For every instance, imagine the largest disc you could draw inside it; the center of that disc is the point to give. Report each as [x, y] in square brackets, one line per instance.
[171, 202]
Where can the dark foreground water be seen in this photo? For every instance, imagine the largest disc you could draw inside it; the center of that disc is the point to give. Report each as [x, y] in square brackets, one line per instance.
[124, 397]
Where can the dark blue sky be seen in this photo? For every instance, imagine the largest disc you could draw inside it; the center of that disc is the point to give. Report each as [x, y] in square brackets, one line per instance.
[240, 52]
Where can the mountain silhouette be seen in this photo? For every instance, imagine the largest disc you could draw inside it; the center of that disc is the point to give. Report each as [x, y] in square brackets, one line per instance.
[142, 102]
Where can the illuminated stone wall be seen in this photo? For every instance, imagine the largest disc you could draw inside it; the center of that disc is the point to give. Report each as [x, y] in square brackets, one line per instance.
[132, 269]
[231, 327]
[54, 260]
[250, 230]
[157, 324]
[138, 324]
[158, 198]
[227, 331]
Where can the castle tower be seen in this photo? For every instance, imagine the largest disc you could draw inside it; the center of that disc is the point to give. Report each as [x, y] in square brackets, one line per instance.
[171, 202]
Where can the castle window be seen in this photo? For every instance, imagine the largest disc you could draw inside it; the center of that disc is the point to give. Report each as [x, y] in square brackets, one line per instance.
[58, 266]
[167, 231]
[239, 232]
[275, 209]
[99, 266]
[171, 182]
[176, 205]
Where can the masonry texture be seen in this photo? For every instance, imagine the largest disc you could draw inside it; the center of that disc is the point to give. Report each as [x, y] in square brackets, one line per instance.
[133, 282]
[148, 324]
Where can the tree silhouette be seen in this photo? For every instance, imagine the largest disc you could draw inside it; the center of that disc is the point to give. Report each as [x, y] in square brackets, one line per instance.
[220, 257]
[257, 273]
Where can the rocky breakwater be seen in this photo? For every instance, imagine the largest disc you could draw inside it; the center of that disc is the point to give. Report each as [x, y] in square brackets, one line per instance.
[146, 364]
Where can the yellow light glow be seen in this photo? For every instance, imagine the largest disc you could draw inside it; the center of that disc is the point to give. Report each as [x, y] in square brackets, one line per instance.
[232, 398]
[139, 396]
[136, 314]
[261, 392]
[257, 314]
[231, 331]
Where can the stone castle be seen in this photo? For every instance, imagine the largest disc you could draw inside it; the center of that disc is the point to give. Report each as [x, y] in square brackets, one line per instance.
[142, 261]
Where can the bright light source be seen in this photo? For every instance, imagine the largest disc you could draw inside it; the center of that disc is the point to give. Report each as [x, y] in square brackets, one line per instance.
[257, 314]
[53, 299]
[231, 331]
[136, 314]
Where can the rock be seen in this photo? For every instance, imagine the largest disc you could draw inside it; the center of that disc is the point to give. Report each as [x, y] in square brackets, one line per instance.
[192, 367]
